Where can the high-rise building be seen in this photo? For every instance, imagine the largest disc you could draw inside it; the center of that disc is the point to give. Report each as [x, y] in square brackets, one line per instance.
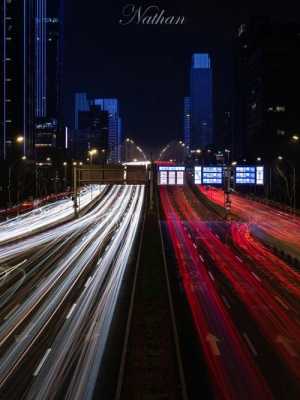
[17, 78]
[201, 95]
[114, 133]
[187, 120]
[48, 77]
[267, 64]
[92, 133]
[31, 65]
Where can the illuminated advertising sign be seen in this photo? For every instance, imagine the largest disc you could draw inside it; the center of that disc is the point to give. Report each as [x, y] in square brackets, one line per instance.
[212, 175]
[260, 175]
[171, 175]
[172, 178]
[163, 178]
[249, 175]
[245, 175]
[180, 178]
[198, 175]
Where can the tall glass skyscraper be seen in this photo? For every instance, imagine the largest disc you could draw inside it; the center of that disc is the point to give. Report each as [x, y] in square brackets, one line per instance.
[201, 98]
[187, 120]
[30, 76]
[48, 75]
[16, 78]
[111, 106]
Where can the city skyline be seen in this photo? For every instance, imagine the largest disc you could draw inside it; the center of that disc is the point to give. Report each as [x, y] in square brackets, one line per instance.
[149, 200]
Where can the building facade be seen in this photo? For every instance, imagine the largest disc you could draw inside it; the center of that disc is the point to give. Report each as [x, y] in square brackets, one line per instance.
[31, 76]
[92, 133]
[201, 101]
[187, 121]
[267, 64]
[17, 79]
[112, 142]
[48, 77]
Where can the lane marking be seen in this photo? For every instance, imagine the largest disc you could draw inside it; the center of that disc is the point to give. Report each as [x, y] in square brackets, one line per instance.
[39, 367]
[201, 258]
[250, 344]
[211, 276]
[226, 302]
[194, 245]
[255, 276]
[71, 311]
[239, 259]
[281, 302]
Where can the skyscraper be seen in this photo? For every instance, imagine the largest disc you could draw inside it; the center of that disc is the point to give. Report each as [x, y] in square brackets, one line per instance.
[114, 134]
[267, 65]
[31, 64]
[201, 95]
[17, 78]
[92, 132]
[187, 120]
[48, 76]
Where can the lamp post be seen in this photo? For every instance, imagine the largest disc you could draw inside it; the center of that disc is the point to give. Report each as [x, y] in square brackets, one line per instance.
[19, 140]
[92, 153]
[65, 164]
[292, 166]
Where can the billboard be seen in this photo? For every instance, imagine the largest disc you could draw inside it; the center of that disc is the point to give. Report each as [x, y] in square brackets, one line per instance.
[198, 176]
[260, 175]
[212, 175]
[171, 175]
[249, 175]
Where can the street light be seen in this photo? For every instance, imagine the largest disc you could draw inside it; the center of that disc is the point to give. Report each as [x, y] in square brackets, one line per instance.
[295, 138]
[228, 155]
[280, 158]
[258, 159]
[92, 153]
[65, 164]
[20, 139]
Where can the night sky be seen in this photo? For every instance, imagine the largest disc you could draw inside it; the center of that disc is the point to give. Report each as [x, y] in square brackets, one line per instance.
[147, 66]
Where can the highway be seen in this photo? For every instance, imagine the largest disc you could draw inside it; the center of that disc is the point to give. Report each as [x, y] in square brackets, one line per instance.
[58, 296]
[46, 217]
[278, 224]
[244, 301]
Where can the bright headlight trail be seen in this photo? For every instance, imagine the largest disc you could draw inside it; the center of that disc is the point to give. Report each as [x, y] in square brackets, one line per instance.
[115, 222]
[90, 318]
[46, 216]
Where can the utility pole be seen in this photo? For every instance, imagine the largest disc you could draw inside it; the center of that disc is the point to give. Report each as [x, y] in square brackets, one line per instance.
[294, 191]
[9, 186]
[151, 178]
[227, 189]
[75, 196]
